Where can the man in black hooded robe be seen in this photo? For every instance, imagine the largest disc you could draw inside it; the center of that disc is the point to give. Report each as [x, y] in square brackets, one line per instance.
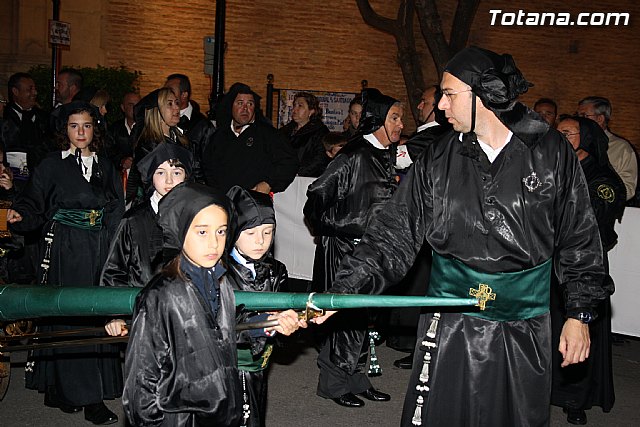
[354, 188]
[501, 200]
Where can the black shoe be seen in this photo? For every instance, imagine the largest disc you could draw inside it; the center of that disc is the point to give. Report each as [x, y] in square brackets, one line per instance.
[375, 395]
[53, 403]
[576, 416]
[99, 414]
[349, 400]
[405, 362]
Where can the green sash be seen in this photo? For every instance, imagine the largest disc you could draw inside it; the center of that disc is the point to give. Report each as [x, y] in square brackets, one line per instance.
[87, 219]
[507, 296]
[246, 361]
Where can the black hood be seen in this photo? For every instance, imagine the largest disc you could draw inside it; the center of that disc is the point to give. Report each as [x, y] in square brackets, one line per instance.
[148, 102]
[498, 83]
[375, 107]
[593, 140]
[252, 209]
[163, 152]
[223, 109]
[177, 209]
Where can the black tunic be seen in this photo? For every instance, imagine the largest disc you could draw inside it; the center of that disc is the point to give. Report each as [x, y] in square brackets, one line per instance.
[486, 216]
[180, 367]
[85, 375]
[271, 276]
[340, 204]
[135, 255]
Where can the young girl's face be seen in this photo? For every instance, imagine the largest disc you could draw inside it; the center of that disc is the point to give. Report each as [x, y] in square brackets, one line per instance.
[204, 243]
[80, 130]
[255, 242]
[166, 177]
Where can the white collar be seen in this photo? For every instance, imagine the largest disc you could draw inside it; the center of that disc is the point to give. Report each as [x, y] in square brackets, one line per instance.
[87, 162]
[154, 200]
[235, 253]
[187, 111]
[374, 141]
[427, 126]
[490, 152]
[233, 129]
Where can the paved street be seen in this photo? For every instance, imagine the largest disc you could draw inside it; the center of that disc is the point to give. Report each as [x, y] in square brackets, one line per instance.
[293, 402]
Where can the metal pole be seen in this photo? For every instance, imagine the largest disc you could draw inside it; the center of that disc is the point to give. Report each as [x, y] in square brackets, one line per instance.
[218, 51]
[269, 107]
[55, 57]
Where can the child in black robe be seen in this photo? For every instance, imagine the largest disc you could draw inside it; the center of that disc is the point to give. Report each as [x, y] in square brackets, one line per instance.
[77, 196]
[180, 365]
[252, 267]
[135, 255]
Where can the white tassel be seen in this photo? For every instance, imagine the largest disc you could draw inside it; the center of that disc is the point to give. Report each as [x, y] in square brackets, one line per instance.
[433, 327]
[422, 388]
[428, 344]
[424, 375]
[417, 414]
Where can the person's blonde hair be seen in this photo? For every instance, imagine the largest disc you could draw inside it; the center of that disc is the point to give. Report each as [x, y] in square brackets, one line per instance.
[152, 130]
[101, 98]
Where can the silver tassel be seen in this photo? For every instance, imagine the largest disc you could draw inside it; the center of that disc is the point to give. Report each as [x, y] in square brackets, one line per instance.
[374, 366]
[433, 327]
[417, 414]
[424, 374]
[246, 411]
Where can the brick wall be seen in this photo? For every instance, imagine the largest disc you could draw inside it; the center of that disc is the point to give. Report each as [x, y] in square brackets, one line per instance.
[325, 45]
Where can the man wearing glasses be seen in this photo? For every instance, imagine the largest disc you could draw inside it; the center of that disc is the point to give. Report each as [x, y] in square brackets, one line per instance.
[502, 202]
[621, 154]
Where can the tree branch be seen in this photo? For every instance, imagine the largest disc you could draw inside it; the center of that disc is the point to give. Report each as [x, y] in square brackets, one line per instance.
[375, 20]
[462, 21]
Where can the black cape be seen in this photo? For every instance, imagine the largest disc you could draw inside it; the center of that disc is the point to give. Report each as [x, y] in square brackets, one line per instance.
[307, 142]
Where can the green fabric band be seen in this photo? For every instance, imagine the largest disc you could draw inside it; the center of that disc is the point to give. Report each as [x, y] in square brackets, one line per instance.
[247, 362]
[513, 296]
[87, 219]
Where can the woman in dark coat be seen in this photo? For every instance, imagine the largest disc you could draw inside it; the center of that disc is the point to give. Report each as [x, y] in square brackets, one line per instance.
[180, 367]
[305, 132]
[579, 387]
[77, 196]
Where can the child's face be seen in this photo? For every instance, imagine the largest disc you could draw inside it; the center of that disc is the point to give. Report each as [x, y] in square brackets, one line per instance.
[204, 243]
[166, 177]
[255, 242]
[80, 130]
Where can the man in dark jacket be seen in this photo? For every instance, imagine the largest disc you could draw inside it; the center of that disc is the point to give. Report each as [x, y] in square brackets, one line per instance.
[193, 124]
[354, 188]
[246, 150]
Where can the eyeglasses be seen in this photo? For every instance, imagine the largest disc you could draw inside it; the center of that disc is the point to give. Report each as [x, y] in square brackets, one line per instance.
[450, 94]
[568, 134]
[587, 115]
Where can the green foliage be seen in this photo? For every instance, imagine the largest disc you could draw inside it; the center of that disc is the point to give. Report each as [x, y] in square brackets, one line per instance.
[115, 80]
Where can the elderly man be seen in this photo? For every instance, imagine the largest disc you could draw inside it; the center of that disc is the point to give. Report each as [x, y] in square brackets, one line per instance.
[502, 201]
[246, 150]
[621, 154]
[355, 186]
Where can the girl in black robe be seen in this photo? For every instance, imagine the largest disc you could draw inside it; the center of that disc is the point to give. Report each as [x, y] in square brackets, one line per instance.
[181, 365]
[77, 196]
[135, 255]
[579, 387]
[252, 267]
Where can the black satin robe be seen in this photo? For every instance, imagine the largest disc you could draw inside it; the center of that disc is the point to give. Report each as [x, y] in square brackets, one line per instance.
[180, 367]
[135, 255]
[486, 373]
[271, 276]
[340, 204]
